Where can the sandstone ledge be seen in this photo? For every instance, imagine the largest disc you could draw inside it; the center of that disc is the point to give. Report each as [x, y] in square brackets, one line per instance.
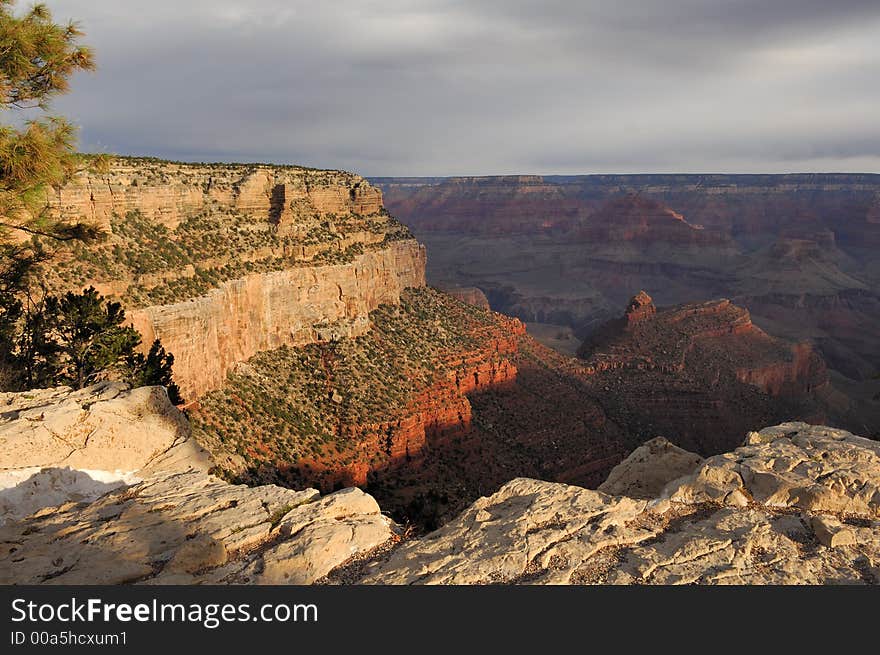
[105, 486]
[797, 504]
[191, 528]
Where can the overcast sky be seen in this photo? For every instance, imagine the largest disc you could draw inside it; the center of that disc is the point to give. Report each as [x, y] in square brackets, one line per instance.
[460, 87]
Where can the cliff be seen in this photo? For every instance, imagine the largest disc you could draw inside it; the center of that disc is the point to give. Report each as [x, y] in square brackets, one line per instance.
[645, 339]
[345, 412]
[223, 261]
[470, 295]
[441, 401]
[170, 193]
[240, 318]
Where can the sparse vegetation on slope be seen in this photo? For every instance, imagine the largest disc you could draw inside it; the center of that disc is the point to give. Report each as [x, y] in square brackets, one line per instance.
[160, 265]
[314, 402]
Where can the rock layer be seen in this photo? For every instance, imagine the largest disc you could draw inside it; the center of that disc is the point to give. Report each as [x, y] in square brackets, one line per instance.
[223, 261]
[211, 333]
[170, 192]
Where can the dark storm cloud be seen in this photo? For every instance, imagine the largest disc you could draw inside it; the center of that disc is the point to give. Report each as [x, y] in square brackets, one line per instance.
[438, 87]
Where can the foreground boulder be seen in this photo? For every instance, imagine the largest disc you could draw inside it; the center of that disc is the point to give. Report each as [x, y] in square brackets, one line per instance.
[191, 528]
[60, 445]
[107, 426]
[649, 468]
[105, 486]
[797, 504]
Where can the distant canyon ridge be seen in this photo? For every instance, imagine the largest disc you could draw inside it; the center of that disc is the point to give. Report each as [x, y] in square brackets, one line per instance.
[801, 252]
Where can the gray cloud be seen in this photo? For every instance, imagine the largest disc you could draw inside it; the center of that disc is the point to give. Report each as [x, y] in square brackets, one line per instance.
[435, 87]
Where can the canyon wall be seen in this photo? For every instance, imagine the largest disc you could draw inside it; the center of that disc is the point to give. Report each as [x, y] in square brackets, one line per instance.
[441, 402]
[222, 261]
[262, 311]
[798, 251]
[170, 192]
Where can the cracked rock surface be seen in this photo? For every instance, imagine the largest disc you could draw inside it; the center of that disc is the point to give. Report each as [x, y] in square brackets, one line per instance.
[796, 504]
[166, 521]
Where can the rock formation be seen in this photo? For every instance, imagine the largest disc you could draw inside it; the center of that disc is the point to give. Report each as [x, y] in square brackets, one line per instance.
[361, 409]
[59, 445]
[471, 295]
[646, 340]
[441, 401]
[223, 261]
[634, 217]
[640, 308]
[648, 469]
[170, 193]
[796, 504]
[697, 371]
[243, 317]
[732, 204]
[798, 251]
[166, 521]
[193, 528]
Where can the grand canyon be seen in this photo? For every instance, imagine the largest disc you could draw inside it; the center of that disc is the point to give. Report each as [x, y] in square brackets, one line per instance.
[419, 324]
[518, 353]
[565, 253]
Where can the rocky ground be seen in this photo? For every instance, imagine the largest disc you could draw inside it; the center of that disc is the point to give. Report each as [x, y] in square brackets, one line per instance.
[795, 504]
[166, 520]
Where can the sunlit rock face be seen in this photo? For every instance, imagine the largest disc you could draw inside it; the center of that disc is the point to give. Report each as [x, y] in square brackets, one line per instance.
[795, 504]
[105, 486]
[223, 261]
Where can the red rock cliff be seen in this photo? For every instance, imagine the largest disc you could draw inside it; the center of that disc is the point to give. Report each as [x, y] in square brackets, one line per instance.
[221, 262]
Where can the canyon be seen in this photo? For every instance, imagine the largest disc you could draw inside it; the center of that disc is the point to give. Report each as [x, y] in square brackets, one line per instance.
[564, 253]
[442, 401]
[312, 354]
[347, 423]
